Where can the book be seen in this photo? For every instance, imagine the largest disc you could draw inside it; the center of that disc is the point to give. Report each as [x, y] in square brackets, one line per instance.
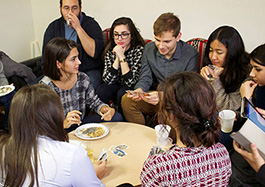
[253, 130]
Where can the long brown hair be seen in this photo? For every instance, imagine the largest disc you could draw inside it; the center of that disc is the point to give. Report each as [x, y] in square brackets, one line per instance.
[35, 110]
[136, 40]
[192, 101]
[56, 50]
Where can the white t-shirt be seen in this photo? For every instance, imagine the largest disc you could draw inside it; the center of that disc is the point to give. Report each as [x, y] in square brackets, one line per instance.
[64, 164]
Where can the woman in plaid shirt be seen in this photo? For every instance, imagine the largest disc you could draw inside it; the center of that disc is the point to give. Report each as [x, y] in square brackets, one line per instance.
[61, 70]
[188, 104]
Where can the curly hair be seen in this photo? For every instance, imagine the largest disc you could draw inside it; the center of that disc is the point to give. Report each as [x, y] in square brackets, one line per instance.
[192, 102]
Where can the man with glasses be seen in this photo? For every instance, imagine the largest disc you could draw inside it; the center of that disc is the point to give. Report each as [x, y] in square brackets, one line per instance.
[76, 25]
[167, 56]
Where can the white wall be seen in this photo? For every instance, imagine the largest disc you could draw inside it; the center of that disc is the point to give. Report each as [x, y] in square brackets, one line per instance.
[16, 28]
[199, 18]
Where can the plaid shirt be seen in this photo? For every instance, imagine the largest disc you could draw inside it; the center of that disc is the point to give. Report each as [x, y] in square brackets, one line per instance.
[183, 166]
[133, 57]
[80, 96]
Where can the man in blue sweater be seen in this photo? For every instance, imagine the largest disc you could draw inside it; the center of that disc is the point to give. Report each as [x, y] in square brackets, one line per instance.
[76, 25]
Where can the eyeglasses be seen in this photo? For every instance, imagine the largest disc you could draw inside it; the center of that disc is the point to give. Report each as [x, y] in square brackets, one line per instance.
[73, 8]
[122, 35]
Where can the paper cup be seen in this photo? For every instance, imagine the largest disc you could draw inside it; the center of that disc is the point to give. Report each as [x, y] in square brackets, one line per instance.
[162, 133]
[227, 118]
[68, 23]
[90, 147]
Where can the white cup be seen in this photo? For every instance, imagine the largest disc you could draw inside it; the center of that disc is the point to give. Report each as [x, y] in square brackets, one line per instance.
[68, 23]
[227, 120]
[162, 133]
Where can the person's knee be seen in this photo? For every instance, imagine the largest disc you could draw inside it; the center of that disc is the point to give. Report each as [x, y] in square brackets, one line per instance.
[117, 117]
[126, 102]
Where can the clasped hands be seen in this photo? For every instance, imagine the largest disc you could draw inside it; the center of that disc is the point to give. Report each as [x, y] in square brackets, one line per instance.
[213, 72]
[119, 51]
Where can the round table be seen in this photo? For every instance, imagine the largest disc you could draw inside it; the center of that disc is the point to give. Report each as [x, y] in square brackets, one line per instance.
[139, 139]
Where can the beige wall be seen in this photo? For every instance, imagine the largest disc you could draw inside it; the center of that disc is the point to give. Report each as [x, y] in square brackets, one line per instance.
[199, 18]
[16, 28]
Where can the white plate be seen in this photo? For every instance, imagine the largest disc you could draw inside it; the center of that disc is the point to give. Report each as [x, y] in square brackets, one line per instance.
[76, 142]
[6, 86]
[84, 136]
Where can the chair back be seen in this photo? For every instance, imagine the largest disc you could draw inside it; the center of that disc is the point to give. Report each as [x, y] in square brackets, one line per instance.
[106, 35]
[199, 44]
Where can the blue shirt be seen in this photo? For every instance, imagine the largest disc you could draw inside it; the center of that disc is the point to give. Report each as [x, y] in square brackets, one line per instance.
[70, 32]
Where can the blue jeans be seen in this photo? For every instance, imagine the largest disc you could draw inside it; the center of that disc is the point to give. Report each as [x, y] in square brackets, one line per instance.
[6, 101]
[95, 76]
[117, 117]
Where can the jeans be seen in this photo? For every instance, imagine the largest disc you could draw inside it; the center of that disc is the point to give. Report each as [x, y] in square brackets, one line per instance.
[117, 117]
[6, 101]
[135, 111]
[95, 76]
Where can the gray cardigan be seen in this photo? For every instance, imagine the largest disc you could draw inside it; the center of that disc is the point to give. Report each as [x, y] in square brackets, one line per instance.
[3, 80]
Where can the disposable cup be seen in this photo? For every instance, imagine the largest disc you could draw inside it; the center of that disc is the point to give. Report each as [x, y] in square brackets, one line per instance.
[169, 143]
[89, 149]
[227, 118]
[162, 133]
[68, 22]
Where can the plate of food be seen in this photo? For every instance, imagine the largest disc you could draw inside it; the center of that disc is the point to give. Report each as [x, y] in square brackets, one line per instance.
[4, 90]
[91, 131]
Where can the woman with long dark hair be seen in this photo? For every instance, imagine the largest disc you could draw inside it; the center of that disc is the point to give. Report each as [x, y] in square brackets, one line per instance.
[122, 60]
[254, 90]
[37, 152]
[226, 63]
[61, 70]
[188, 104]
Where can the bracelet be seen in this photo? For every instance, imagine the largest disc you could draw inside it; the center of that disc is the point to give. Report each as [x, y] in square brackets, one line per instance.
[123, 60]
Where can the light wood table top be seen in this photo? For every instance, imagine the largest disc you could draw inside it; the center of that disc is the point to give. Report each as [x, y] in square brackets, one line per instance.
[139, 139]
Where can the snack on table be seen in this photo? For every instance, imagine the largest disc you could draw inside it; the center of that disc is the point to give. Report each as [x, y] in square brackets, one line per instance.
[5, 90]
[92, 132]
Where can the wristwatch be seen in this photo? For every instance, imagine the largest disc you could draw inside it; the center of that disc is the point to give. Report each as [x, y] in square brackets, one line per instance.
[123, 60]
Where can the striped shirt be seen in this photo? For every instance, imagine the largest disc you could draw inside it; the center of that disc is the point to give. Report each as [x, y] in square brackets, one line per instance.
[184, 166]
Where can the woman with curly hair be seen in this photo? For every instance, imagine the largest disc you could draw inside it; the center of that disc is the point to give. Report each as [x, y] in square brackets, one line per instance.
[188, 104]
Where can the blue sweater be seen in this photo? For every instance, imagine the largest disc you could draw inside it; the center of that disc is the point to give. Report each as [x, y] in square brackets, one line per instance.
[92, 28]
